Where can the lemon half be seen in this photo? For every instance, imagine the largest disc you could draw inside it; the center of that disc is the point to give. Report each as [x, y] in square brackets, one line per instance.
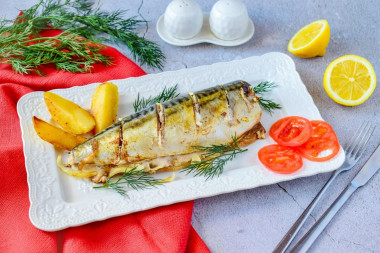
[311, 40]
[349, 80]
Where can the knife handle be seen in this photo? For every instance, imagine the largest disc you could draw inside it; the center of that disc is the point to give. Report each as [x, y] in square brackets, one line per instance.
[308, 239]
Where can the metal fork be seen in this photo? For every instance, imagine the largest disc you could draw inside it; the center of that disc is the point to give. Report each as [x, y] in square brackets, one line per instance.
[354, 151]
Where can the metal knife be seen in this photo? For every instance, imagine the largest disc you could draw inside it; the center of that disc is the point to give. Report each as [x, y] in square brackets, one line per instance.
[363, 176]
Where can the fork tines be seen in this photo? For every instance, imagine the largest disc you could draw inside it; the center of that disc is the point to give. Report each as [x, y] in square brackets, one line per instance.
[357, 144]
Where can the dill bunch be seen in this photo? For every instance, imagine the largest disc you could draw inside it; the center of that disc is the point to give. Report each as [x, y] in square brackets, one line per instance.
[76, 49]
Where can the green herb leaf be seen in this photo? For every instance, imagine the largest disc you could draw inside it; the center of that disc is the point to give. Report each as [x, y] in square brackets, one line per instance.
[215, 158]
[266, 104]
[133, 178]
[167, 94]
[269, 105]
[76, 49]
[264, 87]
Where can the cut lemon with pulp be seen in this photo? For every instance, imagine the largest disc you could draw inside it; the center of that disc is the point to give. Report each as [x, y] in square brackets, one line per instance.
[311, 40]
[350, 80]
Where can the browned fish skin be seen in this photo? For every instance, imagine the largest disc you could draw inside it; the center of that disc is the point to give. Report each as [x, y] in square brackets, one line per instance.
[210, 116]
[103, 148]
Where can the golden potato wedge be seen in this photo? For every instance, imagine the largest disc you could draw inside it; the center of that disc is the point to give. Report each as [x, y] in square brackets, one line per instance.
[55, 135]
[69, 115]
[104, 105]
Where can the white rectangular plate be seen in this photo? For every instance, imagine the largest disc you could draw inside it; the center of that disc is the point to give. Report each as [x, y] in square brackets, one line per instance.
[59, 201]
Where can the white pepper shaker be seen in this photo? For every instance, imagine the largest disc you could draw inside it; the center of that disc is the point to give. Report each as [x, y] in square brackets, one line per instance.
[229, 19]
[183, 19]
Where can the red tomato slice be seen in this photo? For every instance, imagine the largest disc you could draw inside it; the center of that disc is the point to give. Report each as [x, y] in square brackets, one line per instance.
[291, 131]
[323, 143]
[280, 159]
[322, 129]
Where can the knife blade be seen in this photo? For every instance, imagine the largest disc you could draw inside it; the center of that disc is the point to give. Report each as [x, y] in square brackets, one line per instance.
[369, 169]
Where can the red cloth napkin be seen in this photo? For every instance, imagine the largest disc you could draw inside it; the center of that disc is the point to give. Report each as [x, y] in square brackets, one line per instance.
[163, 229]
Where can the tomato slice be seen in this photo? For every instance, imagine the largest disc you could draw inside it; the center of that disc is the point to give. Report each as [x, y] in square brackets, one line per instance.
[323, 143]
[291, 131]
[280, 159]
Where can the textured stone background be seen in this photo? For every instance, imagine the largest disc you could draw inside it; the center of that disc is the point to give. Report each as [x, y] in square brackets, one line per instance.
[255, 220]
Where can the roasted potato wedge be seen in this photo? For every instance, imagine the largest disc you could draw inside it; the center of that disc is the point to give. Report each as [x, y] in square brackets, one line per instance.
[56, 136]
[104, 105]
[70, 116]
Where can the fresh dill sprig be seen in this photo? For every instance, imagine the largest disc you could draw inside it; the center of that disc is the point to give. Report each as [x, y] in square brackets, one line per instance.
[68, 52]
[266, 104]
[215, 158]
[167, 94]
[76, 49]
[133, 178]
[94, 24]
[264, 87]
[269, 105]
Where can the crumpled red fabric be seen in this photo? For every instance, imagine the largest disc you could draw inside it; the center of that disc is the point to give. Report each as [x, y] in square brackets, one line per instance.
[163, 229]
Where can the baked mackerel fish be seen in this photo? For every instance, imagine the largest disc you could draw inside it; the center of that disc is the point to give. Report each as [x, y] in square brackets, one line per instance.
[164, 136]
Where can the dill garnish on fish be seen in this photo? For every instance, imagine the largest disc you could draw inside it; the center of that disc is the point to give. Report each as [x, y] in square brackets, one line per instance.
[166, 94]
[133, 178]
[266, 104]
[215, 158]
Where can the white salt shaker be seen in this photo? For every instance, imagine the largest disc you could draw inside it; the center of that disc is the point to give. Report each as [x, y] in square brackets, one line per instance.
[229, 19]
[183, 19]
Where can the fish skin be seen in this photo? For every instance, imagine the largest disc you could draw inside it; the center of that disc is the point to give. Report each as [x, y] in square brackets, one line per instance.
[103, 148]
[225, 110]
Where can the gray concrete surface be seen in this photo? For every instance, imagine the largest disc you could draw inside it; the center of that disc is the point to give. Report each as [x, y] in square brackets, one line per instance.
[255, 220]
